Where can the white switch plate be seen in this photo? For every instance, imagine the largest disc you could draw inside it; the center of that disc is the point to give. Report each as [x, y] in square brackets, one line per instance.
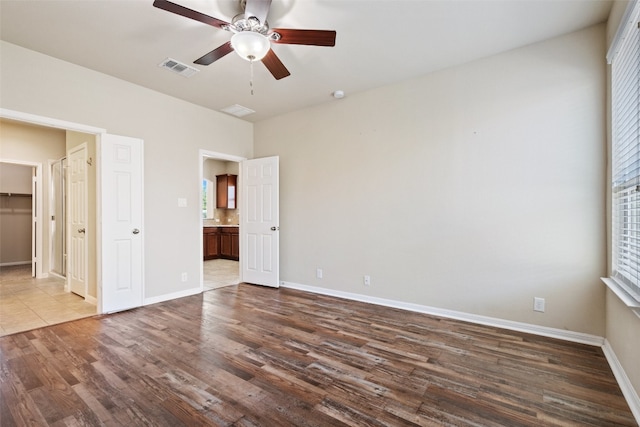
[184, 277]
[538, 304]
[367, 280]
[182, 202]
[319, 273]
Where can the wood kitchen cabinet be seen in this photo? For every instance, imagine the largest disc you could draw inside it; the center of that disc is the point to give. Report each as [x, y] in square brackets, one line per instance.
[211, 242]
[221, 242]
[230, 243]
[226, 191]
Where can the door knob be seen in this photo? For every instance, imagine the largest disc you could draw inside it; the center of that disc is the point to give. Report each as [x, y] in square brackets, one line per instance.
[135, 231]
[81, 230]
[275, 228]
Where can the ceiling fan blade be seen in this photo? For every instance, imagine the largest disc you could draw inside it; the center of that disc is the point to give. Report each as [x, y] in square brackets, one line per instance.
[189, 13]
[308, 37]
[257, 8]
[215, 54]
[275, 66]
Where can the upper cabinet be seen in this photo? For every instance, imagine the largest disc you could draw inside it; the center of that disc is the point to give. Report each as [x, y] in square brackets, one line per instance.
[226, 191]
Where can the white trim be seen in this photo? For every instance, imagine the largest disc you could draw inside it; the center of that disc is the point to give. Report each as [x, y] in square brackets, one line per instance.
[206, 154]
[632, 10]
[623, 380]
[47, 121]
[627, 299]
[174, 295]
[545, 331]
[91, 300]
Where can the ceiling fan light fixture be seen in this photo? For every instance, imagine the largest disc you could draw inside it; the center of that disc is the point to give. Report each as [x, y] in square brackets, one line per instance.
[250, 45]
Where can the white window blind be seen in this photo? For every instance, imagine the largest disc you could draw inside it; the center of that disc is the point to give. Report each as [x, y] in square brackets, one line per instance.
[625, 101]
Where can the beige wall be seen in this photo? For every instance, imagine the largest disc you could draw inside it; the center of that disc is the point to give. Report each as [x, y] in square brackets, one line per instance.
[474, 189]
[622, 325]
[33, 144]
[173, 132]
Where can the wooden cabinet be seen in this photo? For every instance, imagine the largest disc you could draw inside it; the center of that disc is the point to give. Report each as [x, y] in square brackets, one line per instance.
[230, 243]
[226, 191]
[211, 242]
[221, 242]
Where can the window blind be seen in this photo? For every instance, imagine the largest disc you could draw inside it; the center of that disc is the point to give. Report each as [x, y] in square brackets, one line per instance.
[625, 100]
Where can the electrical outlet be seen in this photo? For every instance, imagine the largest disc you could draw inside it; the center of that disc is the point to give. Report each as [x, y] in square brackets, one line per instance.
[319, 273]
[538, 304]
[184, 277]
[367, 280]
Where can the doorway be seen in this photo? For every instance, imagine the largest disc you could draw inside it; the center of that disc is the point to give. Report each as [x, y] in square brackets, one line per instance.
[18, 215]
[219, 226]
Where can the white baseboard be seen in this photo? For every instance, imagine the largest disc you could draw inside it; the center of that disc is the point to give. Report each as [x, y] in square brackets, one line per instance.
[562, 334]
[623, 380]
[91, 300]
[167, 297]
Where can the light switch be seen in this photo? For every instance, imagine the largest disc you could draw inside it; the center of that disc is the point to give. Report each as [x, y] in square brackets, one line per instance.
[182, 202]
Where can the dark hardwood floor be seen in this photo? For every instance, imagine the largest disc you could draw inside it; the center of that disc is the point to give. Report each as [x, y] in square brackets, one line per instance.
[251, 356]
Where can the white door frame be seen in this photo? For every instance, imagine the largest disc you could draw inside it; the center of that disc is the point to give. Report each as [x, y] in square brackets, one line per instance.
[204, 155]
[36, 215]
[51, 205]
[57, 124]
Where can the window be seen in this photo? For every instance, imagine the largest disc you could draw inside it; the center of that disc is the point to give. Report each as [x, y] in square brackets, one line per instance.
[624, 57]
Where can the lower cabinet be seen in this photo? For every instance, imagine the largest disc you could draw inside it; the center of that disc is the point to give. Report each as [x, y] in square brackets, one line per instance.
[230, 243]
[221, 242]
[211, 242]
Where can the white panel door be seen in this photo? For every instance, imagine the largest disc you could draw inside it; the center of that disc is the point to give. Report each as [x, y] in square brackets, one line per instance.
[259, 222]
[122, 234]
[77, 221]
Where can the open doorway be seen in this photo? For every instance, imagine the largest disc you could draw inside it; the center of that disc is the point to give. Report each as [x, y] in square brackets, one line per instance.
[18, 199]
[34, 289]
[220, 220]
[33, 292]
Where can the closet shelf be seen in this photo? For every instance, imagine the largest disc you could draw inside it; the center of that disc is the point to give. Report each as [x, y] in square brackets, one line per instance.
[15, 194]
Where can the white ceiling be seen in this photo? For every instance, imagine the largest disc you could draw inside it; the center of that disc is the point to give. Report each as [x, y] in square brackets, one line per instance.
[378, 42]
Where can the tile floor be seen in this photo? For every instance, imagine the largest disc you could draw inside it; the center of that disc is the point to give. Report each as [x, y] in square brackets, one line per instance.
[27, 303]
[220, 272]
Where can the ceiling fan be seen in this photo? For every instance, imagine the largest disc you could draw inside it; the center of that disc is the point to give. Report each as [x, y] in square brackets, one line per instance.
[252, 36]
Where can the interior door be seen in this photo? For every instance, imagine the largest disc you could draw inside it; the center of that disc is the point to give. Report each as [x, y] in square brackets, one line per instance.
[259, 222]
[122, 232]
[77, 220]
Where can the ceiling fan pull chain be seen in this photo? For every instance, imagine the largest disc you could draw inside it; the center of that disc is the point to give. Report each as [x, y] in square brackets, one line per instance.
[251, 79]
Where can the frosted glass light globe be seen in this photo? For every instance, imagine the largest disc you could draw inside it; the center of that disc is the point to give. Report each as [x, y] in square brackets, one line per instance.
[250, 45]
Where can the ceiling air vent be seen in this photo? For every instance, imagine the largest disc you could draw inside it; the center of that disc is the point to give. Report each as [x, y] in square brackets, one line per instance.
[237, 110]
[178, 67]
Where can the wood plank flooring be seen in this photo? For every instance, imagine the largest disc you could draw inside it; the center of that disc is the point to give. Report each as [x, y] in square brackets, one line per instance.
[252, 356]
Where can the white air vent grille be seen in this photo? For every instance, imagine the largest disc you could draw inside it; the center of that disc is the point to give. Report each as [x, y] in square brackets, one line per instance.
[237, 110]
[178, 67]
